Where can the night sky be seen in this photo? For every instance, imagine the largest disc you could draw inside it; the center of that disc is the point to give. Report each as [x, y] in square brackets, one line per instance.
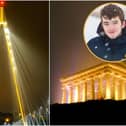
[69, 54]
[29, 24]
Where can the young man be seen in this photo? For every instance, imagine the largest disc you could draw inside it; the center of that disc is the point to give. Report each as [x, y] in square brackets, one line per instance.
[110, 45]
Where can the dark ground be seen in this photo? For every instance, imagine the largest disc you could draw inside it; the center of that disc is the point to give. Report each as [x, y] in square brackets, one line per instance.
[91, 112]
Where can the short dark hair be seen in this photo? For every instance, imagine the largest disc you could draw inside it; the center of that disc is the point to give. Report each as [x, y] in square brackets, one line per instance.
[112, 10]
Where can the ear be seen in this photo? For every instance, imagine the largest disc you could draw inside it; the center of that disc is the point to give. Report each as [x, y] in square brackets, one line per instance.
[123, 24]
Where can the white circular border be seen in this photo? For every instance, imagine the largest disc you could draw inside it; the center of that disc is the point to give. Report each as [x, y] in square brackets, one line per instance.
[92, 21]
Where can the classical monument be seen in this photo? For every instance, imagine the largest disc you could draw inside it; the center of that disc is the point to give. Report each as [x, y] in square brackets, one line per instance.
[104, 81]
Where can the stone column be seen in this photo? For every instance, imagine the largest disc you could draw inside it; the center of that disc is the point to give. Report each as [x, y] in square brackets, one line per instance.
[117, 89]
[72, 93]
[100, 87]
[63, 99]
[108, 87]
[88, 94]
[69, 95]
[112, 86]
[123, 90]
[88, 90]
[75, 93]
[92, 88]
[84, 91]
[79, 91]
[124, 84]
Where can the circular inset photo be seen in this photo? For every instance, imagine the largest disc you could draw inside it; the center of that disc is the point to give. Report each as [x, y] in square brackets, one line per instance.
[105, 32]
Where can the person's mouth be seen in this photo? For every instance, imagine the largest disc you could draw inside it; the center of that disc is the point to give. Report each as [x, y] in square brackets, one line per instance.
[112, 32]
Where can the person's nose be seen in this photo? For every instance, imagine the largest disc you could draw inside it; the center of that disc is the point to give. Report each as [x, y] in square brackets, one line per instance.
[111, 27]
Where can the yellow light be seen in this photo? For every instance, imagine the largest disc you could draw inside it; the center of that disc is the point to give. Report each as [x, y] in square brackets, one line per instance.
[1, 15]
[1, 23]
[8, 37]
[76, 94]
[11, 52]
[12, 59]
[14, 75]
[5, 23]
[116, 94]
[7, 119]
[108, 93]
[9, 43]
[6, 30]
[13, 67]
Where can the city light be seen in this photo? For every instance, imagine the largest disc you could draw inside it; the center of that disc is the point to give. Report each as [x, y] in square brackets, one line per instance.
[22, 73]
[7, 119]
[14, 74]
[2, 3]
[12, 61]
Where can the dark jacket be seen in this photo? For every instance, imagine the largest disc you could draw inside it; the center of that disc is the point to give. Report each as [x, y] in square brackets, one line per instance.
[108, 49]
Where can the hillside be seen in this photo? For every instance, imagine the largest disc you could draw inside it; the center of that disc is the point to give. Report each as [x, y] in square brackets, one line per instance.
[90, 112]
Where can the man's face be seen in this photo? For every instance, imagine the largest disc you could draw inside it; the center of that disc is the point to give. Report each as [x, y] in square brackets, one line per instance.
[112, 27]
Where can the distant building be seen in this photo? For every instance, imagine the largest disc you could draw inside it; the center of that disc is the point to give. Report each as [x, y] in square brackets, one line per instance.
[104, 81]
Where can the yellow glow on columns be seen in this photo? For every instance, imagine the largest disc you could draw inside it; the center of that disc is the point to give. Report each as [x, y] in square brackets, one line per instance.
[117, 86]
[68, 94]
[123, 90]
[84, 92]
[76, 94]
[116, 92]
[63, 95]
[108, 88]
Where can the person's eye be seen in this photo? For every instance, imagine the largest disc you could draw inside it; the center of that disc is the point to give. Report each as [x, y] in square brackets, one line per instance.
[115, 22]
[106, 24]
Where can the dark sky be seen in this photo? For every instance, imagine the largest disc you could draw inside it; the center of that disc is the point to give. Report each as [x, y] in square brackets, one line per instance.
[68, 52]
[28, 23]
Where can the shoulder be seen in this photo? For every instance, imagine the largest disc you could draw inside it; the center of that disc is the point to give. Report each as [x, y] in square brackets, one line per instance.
[96, 46]
[94, 41]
